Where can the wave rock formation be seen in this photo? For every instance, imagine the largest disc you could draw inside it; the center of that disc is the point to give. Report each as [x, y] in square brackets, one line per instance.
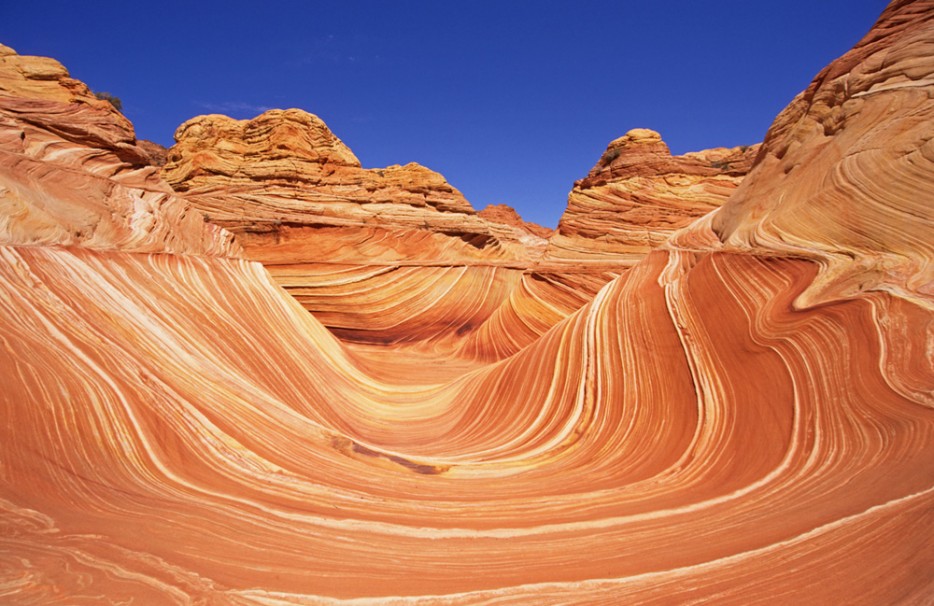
[266, 375]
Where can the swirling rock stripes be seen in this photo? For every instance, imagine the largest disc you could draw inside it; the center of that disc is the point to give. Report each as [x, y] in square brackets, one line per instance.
[387, 304]
[71, 173]
[844, 175]
[298, 201]
[742, 416]
[630, 453]
[637, 195]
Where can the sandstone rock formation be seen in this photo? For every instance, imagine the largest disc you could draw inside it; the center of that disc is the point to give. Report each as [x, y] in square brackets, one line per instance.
[158, 155]
[503, 213]
[359, 247]
[845, 175]
[732, 420]
[363, 249]
[71, 173]
[284, 181]
[638, 194]
[635, 197]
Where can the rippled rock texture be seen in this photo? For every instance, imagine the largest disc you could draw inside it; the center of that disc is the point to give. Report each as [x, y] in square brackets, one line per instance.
[72, 174]
[366, 249]
[638, 194]
[733, 419]
[390, 255]
[632, 200]
[846, 174]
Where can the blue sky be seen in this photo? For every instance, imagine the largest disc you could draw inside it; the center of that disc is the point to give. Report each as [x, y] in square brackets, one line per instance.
[512, 100]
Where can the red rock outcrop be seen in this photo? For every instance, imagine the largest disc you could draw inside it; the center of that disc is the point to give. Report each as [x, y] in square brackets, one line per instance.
[158, 155]
[635, 197]
[283, 179]
[359, 247]
[638, 194]
[180, 430]
[503, 213]
[71, 173]
[845, 175]
[363, 249]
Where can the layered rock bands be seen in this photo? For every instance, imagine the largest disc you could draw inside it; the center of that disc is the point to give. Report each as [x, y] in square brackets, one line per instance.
[703, 387]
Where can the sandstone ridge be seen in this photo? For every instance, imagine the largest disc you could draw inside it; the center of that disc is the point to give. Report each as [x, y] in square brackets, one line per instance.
[638, 194]
[357, 247]
[72, 174]
[286, 168]
[817, 190]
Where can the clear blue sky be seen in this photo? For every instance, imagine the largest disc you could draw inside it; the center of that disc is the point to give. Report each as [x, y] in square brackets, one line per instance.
[512, 100]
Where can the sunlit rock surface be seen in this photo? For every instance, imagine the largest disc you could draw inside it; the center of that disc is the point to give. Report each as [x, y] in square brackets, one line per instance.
[638, 194]
[635, 197]
[503, 213]
[730, 421]
[392, 255]
[71, 172]
[281, 179]
[846, 177]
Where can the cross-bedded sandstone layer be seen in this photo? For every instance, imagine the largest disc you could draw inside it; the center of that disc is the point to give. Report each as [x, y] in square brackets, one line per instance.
[633, 199]
[392, 255]
[729, 420]
[72, 174]
[380, 255]
[846, 174]
[638, 194]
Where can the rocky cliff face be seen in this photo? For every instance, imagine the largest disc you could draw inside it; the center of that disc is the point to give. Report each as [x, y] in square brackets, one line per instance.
[638, 194]
[71, 173]
[284, 179]
[844, 176]
[732, 419]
